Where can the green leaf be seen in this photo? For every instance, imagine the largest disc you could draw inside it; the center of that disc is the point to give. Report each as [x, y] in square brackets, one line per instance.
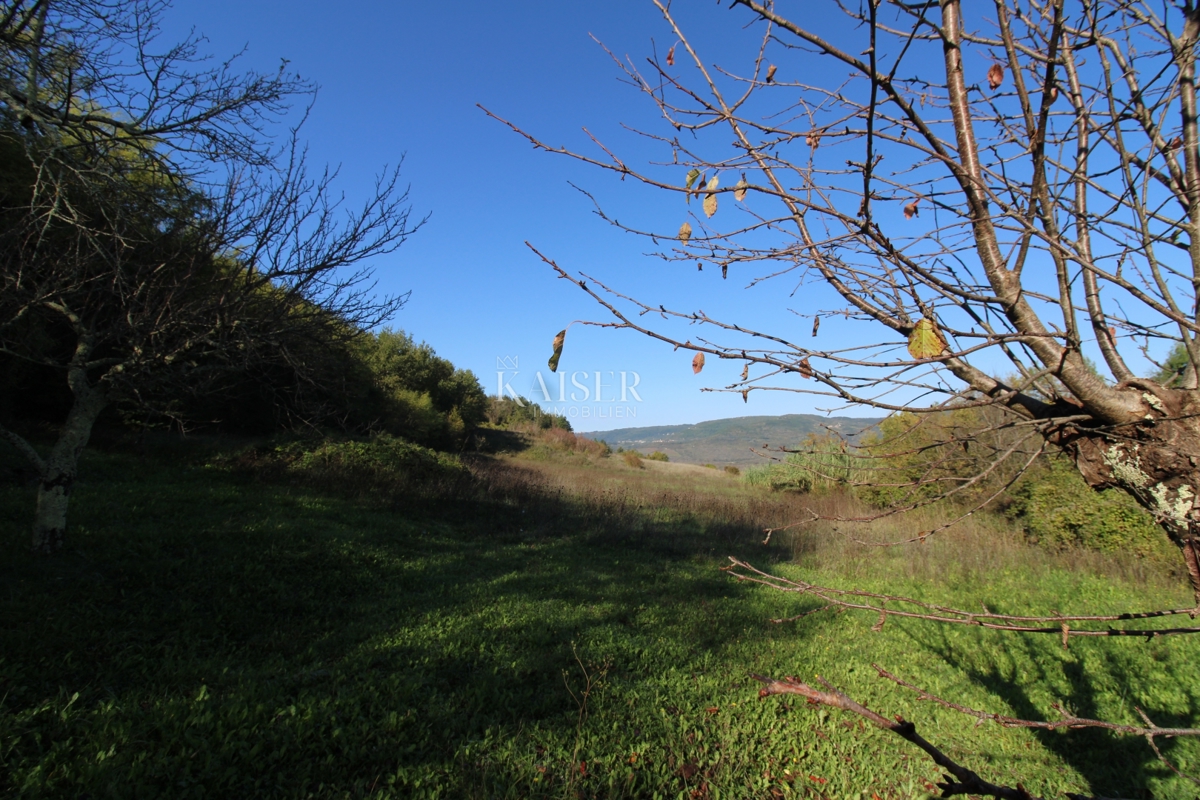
[692, 175]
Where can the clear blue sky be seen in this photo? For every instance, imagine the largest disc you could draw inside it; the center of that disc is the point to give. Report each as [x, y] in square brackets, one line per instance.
[403, 79]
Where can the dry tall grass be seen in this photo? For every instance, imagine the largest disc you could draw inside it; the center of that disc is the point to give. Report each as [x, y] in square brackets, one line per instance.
[731, 513]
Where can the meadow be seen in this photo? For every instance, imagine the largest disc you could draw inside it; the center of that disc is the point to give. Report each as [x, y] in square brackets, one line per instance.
[540, 622]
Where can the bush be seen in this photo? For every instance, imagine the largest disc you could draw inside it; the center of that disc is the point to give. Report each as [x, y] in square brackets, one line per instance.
[1058, 509]
[658, 455]
[732, 470]
[633, 459]
[381, 465]
[511, 412]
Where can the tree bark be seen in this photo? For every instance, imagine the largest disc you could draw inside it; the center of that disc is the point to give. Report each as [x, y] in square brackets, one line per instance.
[58, 471]
[1155, 459]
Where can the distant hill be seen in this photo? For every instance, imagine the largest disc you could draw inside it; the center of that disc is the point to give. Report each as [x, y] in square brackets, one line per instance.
[728, 441]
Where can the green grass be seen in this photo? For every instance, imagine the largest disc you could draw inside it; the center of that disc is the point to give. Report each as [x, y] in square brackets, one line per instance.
[564, 632]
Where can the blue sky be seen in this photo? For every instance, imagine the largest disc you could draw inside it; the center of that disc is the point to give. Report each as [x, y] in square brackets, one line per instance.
[403, 80]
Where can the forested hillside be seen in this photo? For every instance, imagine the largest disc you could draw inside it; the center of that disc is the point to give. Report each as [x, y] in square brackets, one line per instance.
[730, 441]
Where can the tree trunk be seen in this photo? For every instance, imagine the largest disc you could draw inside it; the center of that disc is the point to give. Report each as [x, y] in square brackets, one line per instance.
[59, 469]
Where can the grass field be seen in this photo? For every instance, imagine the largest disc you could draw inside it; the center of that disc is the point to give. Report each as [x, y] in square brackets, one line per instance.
[561, 628]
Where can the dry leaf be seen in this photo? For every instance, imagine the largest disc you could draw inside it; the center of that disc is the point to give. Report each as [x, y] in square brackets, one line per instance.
[698, 363]
[739, 189]
[995, 76]
[813, 139]
[771, 73]
[558, 346]
[685, 231]
[911, 210]
[710, 200]
[745, 395]
[926, 341]
[745, 372]
[671, 56]
[804, 369]
[1053, 93]
[816, 325]
[724, 271]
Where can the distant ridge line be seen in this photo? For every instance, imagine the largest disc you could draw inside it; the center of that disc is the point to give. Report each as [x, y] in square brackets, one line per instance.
[730, 440]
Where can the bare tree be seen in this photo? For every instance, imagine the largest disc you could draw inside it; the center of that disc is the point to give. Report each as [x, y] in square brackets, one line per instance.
[153, 232]
[999, 190]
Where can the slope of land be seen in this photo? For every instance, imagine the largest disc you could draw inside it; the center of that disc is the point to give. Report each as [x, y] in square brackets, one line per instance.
[556, 627]
[730, 441]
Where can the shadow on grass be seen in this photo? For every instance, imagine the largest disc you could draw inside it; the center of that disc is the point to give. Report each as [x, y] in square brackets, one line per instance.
[206, 634]
[1094, 679]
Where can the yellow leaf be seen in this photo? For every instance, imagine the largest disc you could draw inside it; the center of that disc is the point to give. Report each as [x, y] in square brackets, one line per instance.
[739, 189]
[685, 232]
[926, 341]
[558, 346]
[710, 199]
[698, 363]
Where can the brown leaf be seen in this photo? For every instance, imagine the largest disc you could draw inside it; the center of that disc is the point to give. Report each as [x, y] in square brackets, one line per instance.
[816, 325]
[724, 271]
[745, 372]
[995, 76]
[771, 74]
[813, 139]
[745, 395]
[911, 209]
[685, 231]
[558, 346]
[804, 369]
[698, 363]
[1053, 93]
[671, 56]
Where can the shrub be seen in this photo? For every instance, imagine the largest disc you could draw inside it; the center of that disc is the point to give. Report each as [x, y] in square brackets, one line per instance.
[633, 459]
[710, 466]
[381, 465]
[1058, 509]
[658, 455]
[732, 470]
